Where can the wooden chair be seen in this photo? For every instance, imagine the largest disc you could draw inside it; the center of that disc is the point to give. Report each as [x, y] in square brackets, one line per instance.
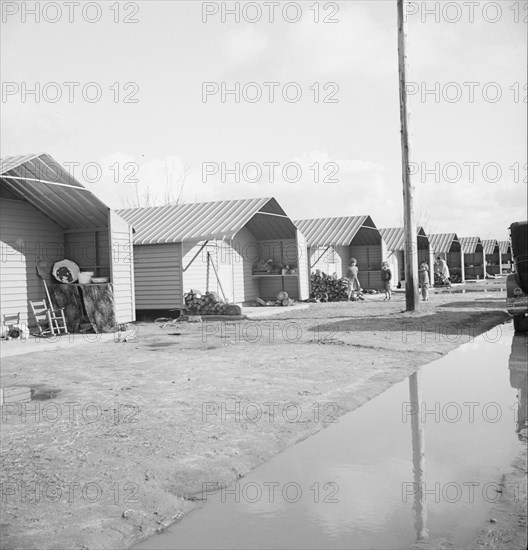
[49, 321]
[9, 321]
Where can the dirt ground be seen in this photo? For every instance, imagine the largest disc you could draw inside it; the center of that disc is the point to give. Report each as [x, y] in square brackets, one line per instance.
[123, 448]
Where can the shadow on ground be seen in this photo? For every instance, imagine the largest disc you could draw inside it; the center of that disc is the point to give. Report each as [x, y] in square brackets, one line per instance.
[480, 304]
[451, 324]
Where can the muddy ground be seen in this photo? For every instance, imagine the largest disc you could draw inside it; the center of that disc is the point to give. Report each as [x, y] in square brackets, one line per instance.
[138, 425]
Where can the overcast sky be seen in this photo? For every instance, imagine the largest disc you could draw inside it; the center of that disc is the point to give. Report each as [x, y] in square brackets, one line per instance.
[468, 142]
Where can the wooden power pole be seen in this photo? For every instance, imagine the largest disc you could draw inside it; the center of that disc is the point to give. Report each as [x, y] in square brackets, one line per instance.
[412, 300]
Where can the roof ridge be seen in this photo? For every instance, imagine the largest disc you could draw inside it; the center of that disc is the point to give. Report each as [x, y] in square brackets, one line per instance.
[193, 203]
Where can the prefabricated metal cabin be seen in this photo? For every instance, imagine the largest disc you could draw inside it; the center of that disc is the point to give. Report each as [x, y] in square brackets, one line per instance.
[213, 247]
[492, 257]
[506, 255]
[447, 246]
[332, 242]
[394, 239]
[47, 216]
[474, 265]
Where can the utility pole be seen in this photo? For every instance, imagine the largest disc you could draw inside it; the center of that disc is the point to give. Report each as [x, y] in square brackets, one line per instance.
[412, 300]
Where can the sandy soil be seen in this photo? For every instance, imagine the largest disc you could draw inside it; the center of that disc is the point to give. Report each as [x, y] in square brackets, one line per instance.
[123, 449]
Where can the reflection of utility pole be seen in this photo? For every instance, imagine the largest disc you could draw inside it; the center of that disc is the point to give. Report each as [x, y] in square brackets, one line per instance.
[519, 379]
[418, 445]
[412, 300]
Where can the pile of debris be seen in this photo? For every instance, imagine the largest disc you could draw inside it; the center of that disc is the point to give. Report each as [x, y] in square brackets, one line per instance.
[283, 299]
[439, 280]
[328, 289]
[209, 303]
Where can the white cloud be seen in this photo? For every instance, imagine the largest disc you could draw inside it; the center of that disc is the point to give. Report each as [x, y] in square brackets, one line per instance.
[244, 46]
[357, 45]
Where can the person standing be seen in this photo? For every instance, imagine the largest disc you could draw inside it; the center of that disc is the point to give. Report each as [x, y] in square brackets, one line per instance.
[353, 281]
[386, 277]
[443, 270]
[423, 277]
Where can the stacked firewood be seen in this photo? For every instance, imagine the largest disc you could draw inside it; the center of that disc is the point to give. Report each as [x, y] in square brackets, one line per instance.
[208, 303]
[328, 289]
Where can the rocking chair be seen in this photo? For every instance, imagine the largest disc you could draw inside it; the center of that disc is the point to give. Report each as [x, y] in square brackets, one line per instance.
[49, 321]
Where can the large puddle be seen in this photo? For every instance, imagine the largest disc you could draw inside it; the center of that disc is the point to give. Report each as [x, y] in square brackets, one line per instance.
[382, 477]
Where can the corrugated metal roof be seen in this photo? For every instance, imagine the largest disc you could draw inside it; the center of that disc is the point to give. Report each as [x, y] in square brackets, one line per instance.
[394, 237]
[441, 243]
[209, 220]
[504, 246]
[46, 185]
[489, 245]
[470, 245]
[336, 231]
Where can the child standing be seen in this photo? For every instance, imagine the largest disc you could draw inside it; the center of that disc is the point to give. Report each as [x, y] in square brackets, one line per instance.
[353, 281]
[386, 277]
[423, 277]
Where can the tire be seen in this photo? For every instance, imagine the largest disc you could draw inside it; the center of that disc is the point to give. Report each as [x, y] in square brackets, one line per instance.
[520, 323]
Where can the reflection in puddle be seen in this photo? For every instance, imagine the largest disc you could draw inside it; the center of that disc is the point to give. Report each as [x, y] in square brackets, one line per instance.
[440, 290]
[425, 458]
[519, 380]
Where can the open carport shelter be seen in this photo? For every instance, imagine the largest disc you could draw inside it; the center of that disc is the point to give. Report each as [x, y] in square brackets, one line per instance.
[447, 246]
[46, 216]
[506, 255]
[492, 256]
[474, 265]
[332, 242]
[215, 247]
[394, 239]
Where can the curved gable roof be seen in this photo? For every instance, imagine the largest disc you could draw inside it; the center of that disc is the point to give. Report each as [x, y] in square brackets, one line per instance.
[470, 244]
[489, 245]
[46, 185]
[220, 220]
[442, 242]
[394, 237]
[334, 231]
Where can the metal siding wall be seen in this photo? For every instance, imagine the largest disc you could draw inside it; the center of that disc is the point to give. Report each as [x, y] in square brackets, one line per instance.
[122, 266]
[401, 264]
[290, 255]
[157, 276]
[423, 256]
[39, 239]
[245, 252]
[270, 287]
[195, 274]
[494, 268]
[343, 253]
[202, 277]
[368, 257]
[477, 260]
[394, 261]
[81, 248]
[327, 260]
[453, 259]
[426, 255]
[302, 266]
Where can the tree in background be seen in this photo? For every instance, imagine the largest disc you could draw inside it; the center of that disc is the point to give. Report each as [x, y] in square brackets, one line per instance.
[171, 193]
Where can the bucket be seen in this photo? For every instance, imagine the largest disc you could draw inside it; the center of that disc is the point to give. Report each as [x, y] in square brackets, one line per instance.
[85, 277]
